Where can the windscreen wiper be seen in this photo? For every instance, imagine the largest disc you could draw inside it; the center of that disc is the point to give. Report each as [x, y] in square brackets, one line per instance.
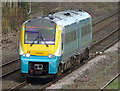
[37, 39]
[44, 40]
[34, 41]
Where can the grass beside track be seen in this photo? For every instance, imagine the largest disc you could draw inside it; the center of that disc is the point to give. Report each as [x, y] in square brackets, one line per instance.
[114, 84]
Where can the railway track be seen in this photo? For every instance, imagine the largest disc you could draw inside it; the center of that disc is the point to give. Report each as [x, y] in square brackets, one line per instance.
[112, 36]
[106, 18]
[9, 67]
[115, 22]
[103, 88]
[93, 46]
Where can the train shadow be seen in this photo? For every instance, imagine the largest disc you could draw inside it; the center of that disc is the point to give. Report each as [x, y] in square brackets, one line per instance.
[15, 77]
[37, 81]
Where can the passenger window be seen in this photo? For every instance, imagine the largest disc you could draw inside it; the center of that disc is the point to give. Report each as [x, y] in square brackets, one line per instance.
[71, 36]
[85, 30]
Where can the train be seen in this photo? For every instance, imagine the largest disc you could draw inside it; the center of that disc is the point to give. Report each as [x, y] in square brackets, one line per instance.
[53, 43]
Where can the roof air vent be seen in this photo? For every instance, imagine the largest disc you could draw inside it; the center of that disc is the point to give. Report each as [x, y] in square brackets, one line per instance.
[81, 10]
[52, 13]
[67, 14]
[51, 17]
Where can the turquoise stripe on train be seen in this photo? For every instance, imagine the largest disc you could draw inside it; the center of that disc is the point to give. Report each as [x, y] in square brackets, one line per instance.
[53, 62]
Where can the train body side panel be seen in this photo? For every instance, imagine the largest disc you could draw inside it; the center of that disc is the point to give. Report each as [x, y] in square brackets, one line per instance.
[83, 30]
[85, 33]
[70, 40]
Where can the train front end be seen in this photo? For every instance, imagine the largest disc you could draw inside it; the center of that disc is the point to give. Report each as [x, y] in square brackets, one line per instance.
[40, 48]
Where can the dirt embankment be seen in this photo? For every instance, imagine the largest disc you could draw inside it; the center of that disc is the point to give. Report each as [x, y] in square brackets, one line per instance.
[94, 74]
[10, 43]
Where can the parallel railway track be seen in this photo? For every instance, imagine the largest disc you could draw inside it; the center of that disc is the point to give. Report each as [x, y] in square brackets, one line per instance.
[92, 47]
[103, 88]
[97, 46]
[106, 18]
[12, 64]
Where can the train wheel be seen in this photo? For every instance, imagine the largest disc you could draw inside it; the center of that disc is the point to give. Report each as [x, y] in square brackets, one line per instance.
[85, 55]
[81, 58]
[60, 70]
[72, 62]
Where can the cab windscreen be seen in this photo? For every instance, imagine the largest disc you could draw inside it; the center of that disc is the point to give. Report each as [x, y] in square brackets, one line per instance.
[40, 31]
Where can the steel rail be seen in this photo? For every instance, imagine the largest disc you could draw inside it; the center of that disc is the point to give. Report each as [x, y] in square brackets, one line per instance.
[6, 74]
[102, 27]
[102, 89]
[105, 18]
[7, 63]
[18, 86]
[102, 39]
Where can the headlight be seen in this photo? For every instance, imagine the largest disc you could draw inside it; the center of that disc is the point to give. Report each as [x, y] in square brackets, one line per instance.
[23, 54]
[27, 54]
[51, 56]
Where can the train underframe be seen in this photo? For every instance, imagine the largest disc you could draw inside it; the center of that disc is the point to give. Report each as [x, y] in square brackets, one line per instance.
[73, 61]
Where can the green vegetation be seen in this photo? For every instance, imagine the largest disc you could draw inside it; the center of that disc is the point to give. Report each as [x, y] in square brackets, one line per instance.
[15, 13]
[114, 84]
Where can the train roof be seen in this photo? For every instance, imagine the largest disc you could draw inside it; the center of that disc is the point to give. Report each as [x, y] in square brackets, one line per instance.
[64, 18]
